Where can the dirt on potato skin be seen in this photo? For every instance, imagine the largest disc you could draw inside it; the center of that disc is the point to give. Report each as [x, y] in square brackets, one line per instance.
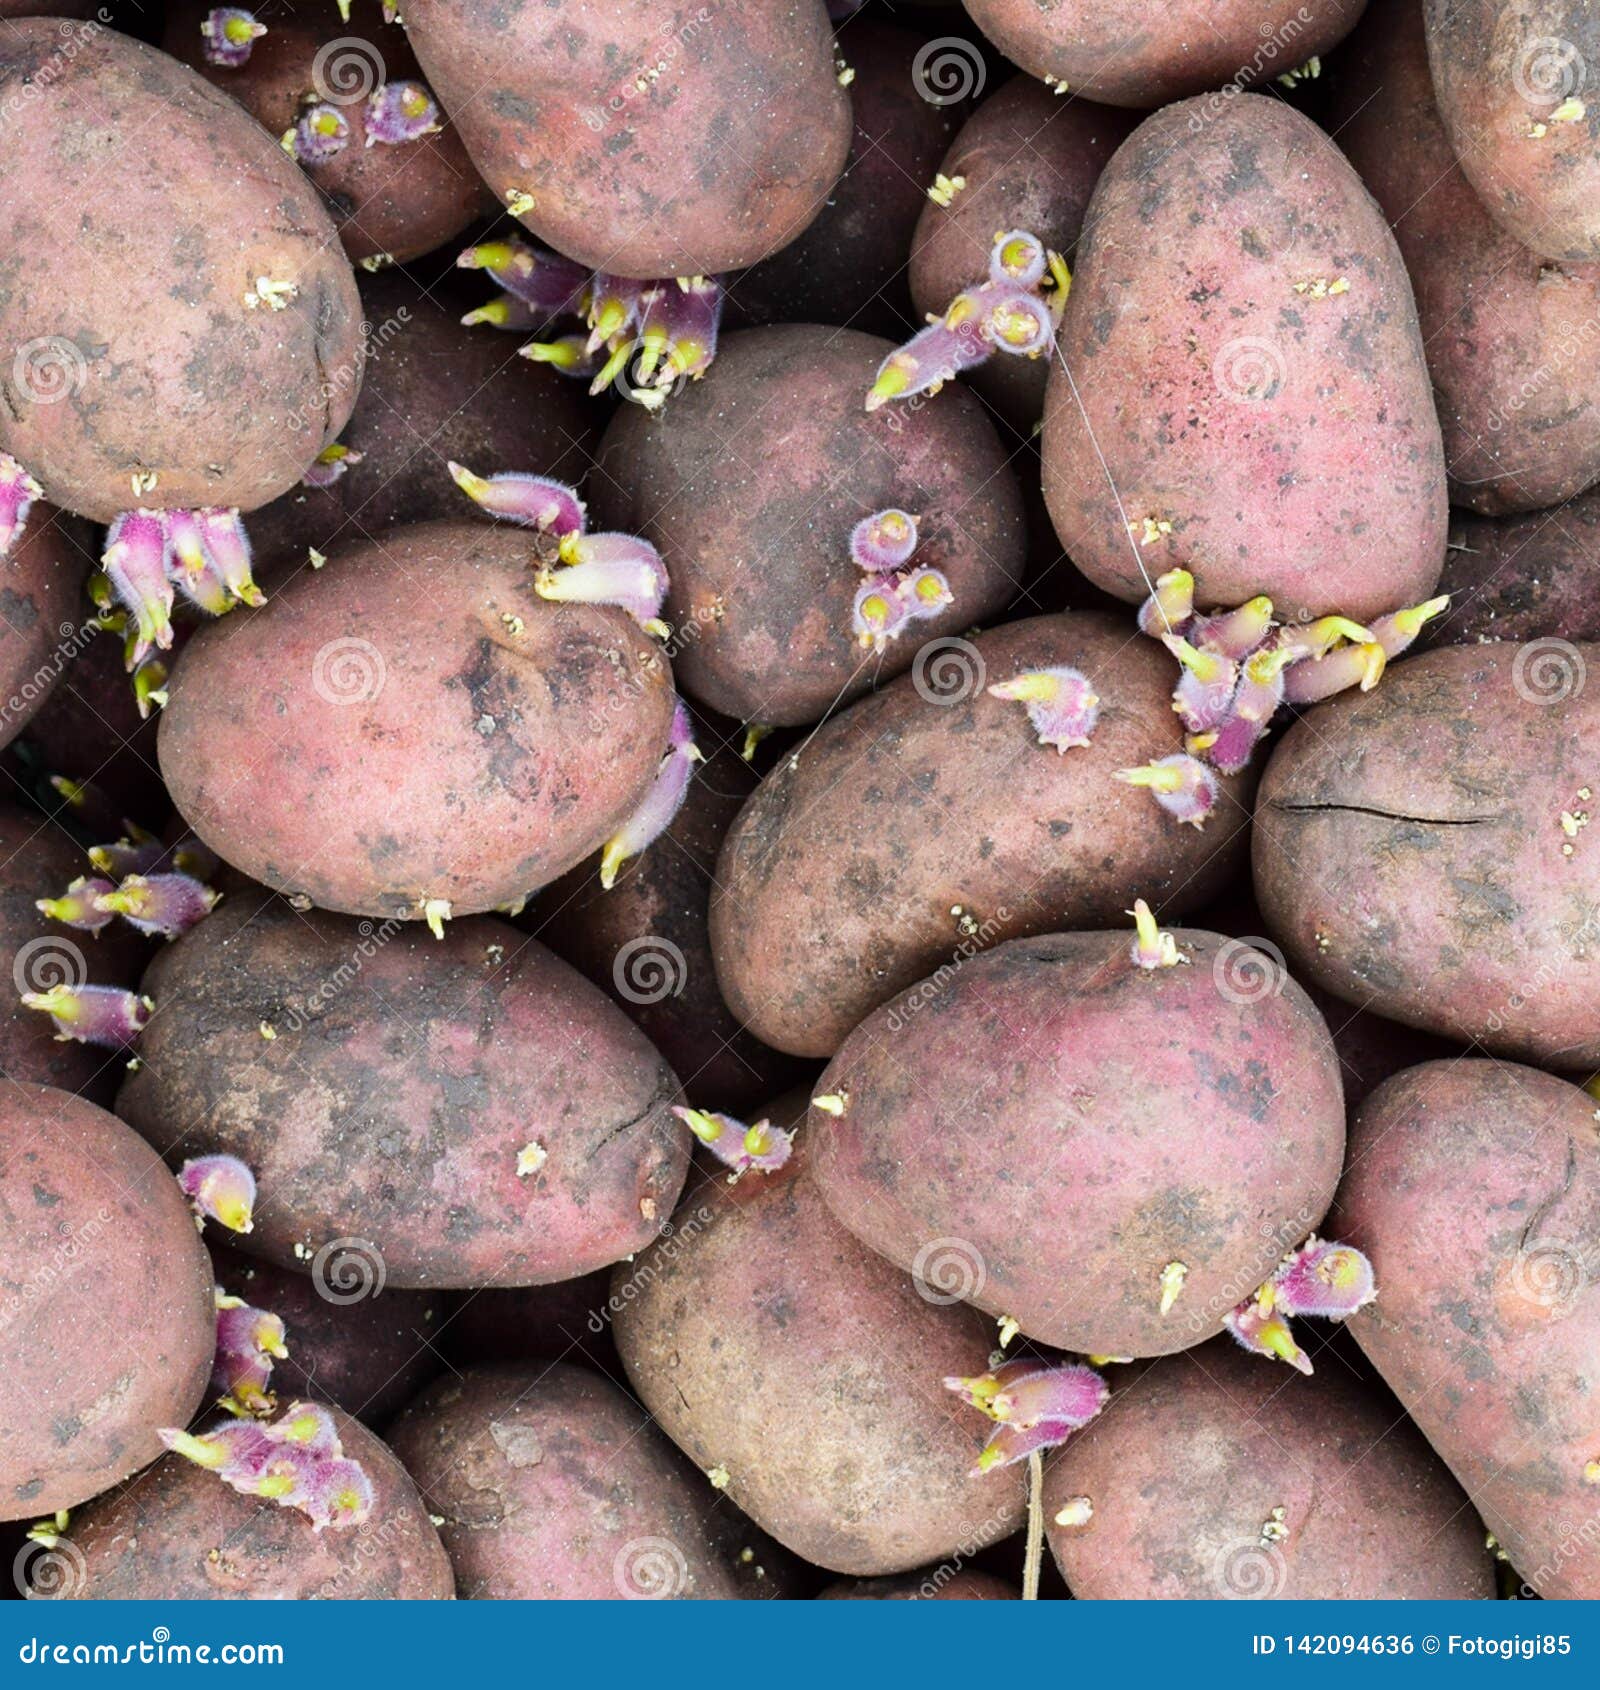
[407, 1087]
[1474, 1187]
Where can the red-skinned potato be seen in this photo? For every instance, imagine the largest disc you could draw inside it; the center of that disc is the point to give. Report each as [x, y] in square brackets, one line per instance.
[646, 943]
[369, 1352]
[428, 728]
[1147, 52]
[553, 1485]
[169, 370]
[107, 1327]
[1284, 441]
[434, 392]
[762, 1310]
[1474, 1187]
[1508, 335]
[181, 1534]
[394, 198]
[1070, 1185]
[1512, 81]
[640, 139]
[1411, 855]
[42, 617]
[928, 822]
[461, 1112]
[1027, 160]
[750, 490]
[849, 266]
[1220, 1474]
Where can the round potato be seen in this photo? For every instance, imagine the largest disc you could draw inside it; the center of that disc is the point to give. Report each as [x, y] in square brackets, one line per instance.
[182, 1535]
[552, 1485]
[415, 726]
[750, 489]
[1219, 1474]
[107, 1326]
[640, 137]
[211, 346]
[1423, 850]
[465, 1112]
[928, 822]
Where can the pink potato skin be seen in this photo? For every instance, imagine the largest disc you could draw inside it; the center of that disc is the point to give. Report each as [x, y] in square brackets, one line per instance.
[553, 1486]
[168, 371]
[397, 200]
[392, 1105]
[837, 884]
[107, 1326]
[1474, 1186]
[1149, 52]
[1409, 854]
[1030, 161]
[415, 722]
[1501, 71]
[657, 138]
[766, 1340]
[1291, 441]
[1067, 1125]
[750, 490]
[181, 1534]
[1510, 337]
[1188, 1462]
[41, 613]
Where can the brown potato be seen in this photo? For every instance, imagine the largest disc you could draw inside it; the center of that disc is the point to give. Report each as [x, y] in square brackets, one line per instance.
[1240, 362]
[1220, 1474]
[750, 489]
[928, 822]
[149, 360]
[1510, 338]
[553, 1485]
[1512, 80]
[415, 723]
[646, 140]
[106, 1321]
[1410, 854]
[771, 1346]
[397, 1116]
[181, 1534]
[43, 621]
[1475, 1189]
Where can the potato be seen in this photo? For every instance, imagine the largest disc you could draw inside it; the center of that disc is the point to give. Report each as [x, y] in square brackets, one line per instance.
[1523, 577]
[1258, 383]
[775, 1349]
[367, 1354]
[42, 622]
[937, 1584]
[1028, 161]
[396, 199]
[928, 822]
[1510, 79]
[1147, 52]
[181, 1534]
[148, 360]
[756, 537]
[1222, 1474]
[1510, 338]
[849, 266]
[38, 859]
[468, 1112]
[459, 740]
[433, 392]
[646, 140]
[106, 1320]
[1086, 1198]
[553, 1485]
[1474, 1186]
[1411, 857]
[646, 944]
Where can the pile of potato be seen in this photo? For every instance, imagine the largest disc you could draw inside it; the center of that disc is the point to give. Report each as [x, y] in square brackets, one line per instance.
[753, 732]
